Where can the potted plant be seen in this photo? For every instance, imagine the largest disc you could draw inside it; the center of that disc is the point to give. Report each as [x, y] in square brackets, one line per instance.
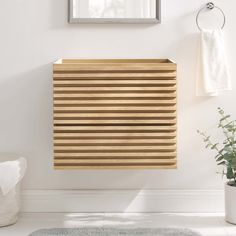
[226, 157]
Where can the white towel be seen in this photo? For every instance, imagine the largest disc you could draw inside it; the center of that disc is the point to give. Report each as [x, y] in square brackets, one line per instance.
[213, 74]
[11, 173]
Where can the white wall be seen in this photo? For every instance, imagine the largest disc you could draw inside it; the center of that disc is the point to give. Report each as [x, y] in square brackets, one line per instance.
[35, 33]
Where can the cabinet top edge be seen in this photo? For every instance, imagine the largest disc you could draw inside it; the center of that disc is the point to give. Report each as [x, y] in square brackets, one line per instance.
[113, 61]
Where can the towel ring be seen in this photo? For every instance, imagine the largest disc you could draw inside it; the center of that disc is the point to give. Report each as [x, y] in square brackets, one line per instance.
[210, 6]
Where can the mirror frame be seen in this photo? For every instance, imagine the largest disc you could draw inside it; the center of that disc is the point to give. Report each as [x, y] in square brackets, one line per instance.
[155, 20]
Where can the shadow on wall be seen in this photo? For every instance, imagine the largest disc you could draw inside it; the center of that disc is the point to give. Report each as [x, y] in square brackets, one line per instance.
[26, 115]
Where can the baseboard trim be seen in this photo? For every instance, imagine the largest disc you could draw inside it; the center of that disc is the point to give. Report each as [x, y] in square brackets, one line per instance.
[130, 201]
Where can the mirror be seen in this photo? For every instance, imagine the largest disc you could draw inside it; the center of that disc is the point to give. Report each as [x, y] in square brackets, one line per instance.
[114, 11]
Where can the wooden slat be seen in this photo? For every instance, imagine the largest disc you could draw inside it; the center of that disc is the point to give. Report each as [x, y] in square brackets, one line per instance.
[123, 155]
[115, 167]
[111, 76]
[114, 142]
[128, 95]
[115, 121]
[116, 128]
[115, 67]
[115, 161]
[113, 148]
[114, 89]
[74, 83]
[115, 114]
[108, 102]
[130, 135]
[69, 109]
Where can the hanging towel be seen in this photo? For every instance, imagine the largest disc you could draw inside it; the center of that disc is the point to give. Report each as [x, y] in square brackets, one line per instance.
[213, 74]
[11, 173]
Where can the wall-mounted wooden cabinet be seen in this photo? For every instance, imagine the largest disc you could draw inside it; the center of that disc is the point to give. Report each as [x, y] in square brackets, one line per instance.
[114, 114]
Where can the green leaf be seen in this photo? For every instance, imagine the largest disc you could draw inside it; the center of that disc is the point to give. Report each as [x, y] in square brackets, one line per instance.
[221, 163]
[224, 126]
[214, 146]
[225, 142]
[207, 139]
[220, 158]
[234, 163]
[229, 127]
[221, 111]
[218, 155]
[224, 118]
[228, 156]
[227, 148]
[230, 173]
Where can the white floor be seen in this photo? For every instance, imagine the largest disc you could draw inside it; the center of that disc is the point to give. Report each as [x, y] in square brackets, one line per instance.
[206, 224]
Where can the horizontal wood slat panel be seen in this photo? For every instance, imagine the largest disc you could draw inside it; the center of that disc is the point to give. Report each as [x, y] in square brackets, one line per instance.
[111, 76]
[127, 109]
[115, 128]
[115, 67]
[114, 121]
[68, 83]
[114, 148]
[168, 87]
[116, 95]
[126, 135]
[114, 142]
[149, 166]
[115, 114]
[108, 102]
[131, 155]
[115, 161]
[115, 89]
[123, 155]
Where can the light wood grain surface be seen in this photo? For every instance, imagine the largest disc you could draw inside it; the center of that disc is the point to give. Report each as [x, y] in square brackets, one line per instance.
[115, 114]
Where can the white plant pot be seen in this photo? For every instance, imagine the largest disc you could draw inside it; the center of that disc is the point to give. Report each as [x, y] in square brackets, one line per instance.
[230, 205]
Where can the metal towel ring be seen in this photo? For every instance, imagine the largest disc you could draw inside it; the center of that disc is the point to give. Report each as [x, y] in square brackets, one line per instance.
[210, 6]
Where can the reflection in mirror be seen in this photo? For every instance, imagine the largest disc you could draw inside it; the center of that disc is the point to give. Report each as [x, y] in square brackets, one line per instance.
[114, 9]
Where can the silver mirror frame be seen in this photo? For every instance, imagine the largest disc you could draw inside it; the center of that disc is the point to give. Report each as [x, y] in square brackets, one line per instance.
[155, 20]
